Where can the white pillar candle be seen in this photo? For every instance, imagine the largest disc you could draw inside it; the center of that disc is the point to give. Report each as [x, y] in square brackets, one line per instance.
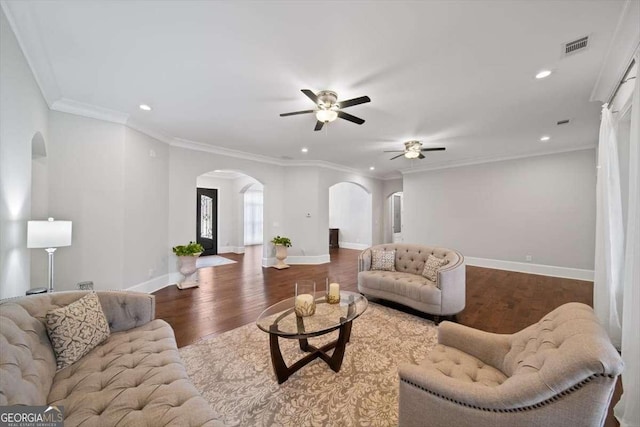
[334, 290]
[305, 305]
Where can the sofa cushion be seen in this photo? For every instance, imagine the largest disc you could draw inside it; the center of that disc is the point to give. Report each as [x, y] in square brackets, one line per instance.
[406, 284]
[383, 260]
[431, 267]
[134, 376]
[27, 362]
[76, 329]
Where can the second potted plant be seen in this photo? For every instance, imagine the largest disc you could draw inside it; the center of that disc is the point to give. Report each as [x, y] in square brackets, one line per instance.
[281, 244]
[187, 257]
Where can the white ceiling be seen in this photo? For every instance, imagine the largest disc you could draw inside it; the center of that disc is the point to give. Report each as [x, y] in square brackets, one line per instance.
[454, 74]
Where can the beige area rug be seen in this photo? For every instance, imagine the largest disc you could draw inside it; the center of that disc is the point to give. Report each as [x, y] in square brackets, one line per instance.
[233, 372]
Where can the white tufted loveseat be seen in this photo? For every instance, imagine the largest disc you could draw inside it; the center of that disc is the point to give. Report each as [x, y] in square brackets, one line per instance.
[558, 372]
[407, 286]
[134, 378]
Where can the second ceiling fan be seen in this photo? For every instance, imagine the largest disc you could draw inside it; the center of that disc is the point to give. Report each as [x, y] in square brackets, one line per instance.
[329, 108]
[413, 150]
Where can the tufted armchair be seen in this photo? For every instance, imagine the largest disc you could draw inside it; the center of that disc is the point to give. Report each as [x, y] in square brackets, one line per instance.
[407, 286]
[134, 378]
[560, 372]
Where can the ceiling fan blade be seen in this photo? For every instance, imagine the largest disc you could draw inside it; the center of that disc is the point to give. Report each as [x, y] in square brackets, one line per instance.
[319, 125]
[347, 116]
[399, 155]
[393, 151]
[297, 112]
[354, 101]
[311, 95]
[421, 156]
[434, 149]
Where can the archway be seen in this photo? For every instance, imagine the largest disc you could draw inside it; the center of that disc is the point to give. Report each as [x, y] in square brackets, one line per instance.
[351, 212]
[39, 202]
[231, 189]
[395, 208]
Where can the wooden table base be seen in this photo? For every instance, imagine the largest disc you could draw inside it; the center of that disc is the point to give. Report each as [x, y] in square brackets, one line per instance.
[283, 372]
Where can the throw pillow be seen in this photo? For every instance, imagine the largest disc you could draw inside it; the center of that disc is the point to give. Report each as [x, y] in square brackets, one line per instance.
[383, 260]
[431, 267]
[74, 330]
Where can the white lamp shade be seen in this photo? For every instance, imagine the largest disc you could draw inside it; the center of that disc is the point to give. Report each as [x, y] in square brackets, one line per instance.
[48, 234]
[412, 154]
[326, 115]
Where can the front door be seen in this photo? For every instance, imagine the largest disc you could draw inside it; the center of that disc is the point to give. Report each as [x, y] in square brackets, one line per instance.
[207, 220]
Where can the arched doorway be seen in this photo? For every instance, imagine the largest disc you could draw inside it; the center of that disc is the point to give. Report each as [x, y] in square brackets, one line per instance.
[351, 212]
[221, 210]
[39, 203]
[395, 215]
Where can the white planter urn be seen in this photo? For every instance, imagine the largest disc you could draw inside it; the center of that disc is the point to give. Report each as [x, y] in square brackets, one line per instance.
[187, 267]
[281, 255]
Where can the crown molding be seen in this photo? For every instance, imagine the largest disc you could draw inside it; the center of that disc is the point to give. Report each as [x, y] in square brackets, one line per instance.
[482, 160]
[329, 165]
[66, 105]
[160, 136]
[624, 43]
[208, 148]
[36, 55]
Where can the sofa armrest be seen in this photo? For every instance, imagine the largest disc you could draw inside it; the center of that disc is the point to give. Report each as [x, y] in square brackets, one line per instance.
[488, 347]
[364, 260]
[127, 310]
[508, 395]
[452, 281]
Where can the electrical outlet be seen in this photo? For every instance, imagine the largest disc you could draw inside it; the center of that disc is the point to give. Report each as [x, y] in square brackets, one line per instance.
[528, 258]
[151, 271]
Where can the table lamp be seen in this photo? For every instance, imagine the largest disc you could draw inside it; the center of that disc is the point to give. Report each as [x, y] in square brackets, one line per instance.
[49, 235]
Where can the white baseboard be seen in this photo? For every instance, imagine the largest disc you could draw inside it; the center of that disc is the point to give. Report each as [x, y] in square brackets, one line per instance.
[292, 260]
[359, 246]
[231, 249]
[525, 267]
[156, 283]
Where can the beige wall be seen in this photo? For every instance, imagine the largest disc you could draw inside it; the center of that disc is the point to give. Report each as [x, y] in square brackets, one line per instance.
[540, 206]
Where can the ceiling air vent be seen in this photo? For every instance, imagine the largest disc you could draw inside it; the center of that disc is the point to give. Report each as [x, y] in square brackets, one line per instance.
[576, 46]
[562, 122]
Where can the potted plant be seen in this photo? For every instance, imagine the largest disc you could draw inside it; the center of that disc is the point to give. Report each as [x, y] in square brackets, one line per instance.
[281, 244]
[187, 257]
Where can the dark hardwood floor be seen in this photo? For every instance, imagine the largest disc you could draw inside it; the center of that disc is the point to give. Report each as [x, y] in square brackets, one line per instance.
[233, 295]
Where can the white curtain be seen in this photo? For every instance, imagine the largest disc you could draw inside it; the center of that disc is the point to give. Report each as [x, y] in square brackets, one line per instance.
[253, 206]
[607, 289]
[627, 411]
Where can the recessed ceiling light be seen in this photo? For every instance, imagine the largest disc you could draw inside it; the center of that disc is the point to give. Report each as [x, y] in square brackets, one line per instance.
[372, 168]
[542, 74]
[305, 150]
[545, 138]
[145, 107]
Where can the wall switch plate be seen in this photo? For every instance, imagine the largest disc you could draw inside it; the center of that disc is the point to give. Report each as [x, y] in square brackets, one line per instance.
[528, 258]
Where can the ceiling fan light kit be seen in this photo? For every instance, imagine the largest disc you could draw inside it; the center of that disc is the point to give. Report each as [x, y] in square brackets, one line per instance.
[326, 116]
[328, 108]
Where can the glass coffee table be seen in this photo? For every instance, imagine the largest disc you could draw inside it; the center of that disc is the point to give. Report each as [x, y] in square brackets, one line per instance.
[280, 321]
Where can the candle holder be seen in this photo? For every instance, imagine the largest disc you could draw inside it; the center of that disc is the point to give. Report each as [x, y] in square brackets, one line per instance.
[305, 300]
[332, 291]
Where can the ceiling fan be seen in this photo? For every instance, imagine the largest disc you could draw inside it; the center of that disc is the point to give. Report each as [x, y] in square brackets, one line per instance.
[413, 150]
[329, 108]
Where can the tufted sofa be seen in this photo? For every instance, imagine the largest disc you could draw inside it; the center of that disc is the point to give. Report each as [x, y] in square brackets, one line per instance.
[407, 286]
[134, 378]
[560, 371]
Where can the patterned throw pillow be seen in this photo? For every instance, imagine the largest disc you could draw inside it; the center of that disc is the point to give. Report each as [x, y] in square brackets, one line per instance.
[76, 329]
[383, 260]
[431, 267]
